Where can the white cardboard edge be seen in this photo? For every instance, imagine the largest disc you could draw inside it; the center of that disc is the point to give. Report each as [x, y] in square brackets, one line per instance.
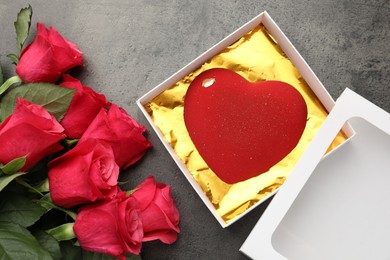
[290, 51]
[258, 245]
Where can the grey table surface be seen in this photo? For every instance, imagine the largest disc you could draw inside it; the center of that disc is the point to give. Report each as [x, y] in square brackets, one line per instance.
[131, 46]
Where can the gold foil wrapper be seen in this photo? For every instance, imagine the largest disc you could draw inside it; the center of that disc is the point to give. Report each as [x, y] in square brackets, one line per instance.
[257, 57]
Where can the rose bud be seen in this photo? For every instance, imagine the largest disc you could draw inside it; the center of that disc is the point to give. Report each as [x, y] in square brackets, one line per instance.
[110, 227]
[86, 173]
[47, 57]
[121, 132]
[160, 217]
[30, 131]
[85, 105]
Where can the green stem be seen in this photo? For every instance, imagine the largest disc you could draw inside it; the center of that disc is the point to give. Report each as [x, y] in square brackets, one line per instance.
[43, 186]
[28, 186]
[63, 232]
[9, 82]
[47, 203]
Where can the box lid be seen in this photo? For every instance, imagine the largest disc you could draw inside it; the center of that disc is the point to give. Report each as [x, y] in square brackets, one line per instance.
[337, 206]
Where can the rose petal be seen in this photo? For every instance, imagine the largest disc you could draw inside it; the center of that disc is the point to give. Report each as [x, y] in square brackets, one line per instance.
[31, 131]
[47, 57]
[78, 176]
[166, 236]
[121, 132]
[145, 192]
[96, 229]
[84, 107]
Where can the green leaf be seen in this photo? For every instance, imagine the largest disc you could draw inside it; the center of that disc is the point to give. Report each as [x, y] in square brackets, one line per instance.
[22, 26]
[53, 98]
[134, 257]
[5, 180]
[14, 58]
[69, 251]
[63, 232]
[13, 166]
[17, 243]
[17, 208]
[49, 243]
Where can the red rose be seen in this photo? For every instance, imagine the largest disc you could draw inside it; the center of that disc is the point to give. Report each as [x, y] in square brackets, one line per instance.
[160, 217]
[47, 57]
[85, 105]
[121, 132]
[110, 227]
[86, 173]
[30, 131]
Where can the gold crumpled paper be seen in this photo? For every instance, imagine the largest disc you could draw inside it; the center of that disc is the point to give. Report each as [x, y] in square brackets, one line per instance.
[257, 57]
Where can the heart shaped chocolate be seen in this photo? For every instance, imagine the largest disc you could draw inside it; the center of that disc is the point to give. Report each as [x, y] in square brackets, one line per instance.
[242, 129]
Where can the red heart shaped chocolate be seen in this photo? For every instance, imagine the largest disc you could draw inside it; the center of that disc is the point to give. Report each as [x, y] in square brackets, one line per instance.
[242, 129]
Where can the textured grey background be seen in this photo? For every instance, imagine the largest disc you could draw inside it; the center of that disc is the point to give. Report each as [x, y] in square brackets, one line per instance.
[130, 46]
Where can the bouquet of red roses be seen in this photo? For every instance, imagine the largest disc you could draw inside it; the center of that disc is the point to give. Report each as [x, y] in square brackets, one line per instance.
[61, 151]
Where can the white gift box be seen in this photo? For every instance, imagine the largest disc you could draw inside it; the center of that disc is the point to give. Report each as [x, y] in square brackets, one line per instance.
[288, 49]
[337, 206]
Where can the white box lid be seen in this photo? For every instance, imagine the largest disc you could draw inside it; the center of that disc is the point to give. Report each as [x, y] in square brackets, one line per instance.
[337, 206]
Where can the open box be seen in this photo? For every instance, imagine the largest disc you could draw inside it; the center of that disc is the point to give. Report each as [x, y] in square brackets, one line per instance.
[333, 207]
[301, 70]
